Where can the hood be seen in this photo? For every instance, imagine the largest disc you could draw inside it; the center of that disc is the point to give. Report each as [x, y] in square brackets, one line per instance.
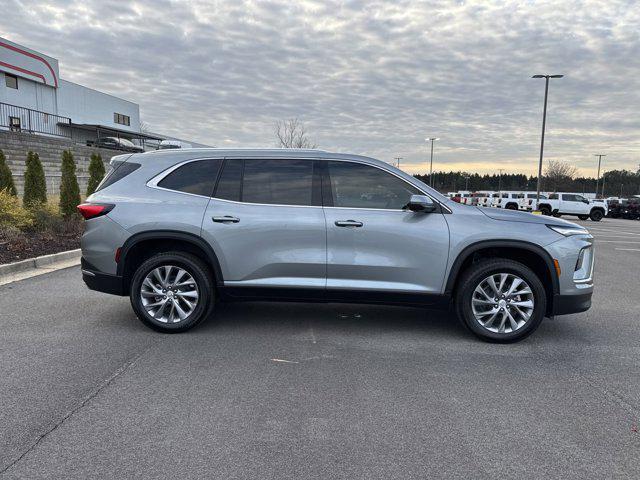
[517, 216]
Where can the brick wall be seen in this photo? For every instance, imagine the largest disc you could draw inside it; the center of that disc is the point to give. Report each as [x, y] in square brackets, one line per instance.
[15, 146]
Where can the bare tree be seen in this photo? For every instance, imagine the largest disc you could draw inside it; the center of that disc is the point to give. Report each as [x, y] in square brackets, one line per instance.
[559, 174]
[144, 127]
[292, 134]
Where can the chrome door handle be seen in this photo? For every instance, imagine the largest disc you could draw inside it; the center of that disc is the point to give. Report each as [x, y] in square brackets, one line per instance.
[225, 219]
[348, 223]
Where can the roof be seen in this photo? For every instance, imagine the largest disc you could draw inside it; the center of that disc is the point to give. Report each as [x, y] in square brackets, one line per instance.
[111, 130]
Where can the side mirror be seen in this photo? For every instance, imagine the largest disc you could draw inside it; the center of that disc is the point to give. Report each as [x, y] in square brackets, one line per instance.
[585, 201]
[421, 203]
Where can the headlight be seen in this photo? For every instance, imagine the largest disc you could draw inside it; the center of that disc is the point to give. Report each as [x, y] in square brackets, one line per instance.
[568, 231]
[584, 264]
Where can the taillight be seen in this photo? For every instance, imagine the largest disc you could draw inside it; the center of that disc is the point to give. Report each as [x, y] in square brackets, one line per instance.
[93, 210]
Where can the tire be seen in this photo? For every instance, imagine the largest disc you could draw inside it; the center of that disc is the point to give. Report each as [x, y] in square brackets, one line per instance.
[511, 206]
[583, 217]
[557, 215]
[596, 215]
[476, 276]
[168, 318]
[545, 210]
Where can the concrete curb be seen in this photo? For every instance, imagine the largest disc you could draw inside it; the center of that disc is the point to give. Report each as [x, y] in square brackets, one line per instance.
[45, 261]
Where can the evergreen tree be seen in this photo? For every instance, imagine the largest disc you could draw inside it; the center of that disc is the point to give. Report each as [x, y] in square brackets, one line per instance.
[69, 189]
[6, 179]
[96, 173]
[35, 187]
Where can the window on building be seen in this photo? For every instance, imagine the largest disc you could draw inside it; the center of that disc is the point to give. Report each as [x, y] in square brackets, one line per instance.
[194, 177]
[361, 186]
[122, 119]
[14, 124]
[11, 80]
[278, 182]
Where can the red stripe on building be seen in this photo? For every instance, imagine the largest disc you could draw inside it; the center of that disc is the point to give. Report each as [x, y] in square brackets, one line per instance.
[23, 70]
[32, 55]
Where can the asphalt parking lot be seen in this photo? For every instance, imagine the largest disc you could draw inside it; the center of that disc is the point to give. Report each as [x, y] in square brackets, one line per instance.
[319, 391]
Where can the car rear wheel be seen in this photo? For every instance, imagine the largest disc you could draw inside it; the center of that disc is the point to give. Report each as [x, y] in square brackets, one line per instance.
[500, 300]
[545, 210]
[172, 292]
[596, 215]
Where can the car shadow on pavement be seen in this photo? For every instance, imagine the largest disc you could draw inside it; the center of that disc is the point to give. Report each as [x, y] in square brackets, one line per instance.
[328, 317]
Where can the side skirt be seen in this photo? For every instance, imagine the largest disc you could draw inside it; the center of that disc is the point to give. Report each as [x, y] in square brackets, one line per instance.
[277, 294]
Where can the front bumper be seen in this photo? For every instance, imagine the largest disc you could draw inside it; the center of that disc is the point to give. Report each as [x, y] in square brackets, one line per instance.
[566, 304]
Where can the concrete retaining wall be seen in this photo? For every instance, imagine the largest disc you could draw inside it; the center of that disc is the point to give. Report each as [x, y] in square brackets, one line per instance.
[15, 146]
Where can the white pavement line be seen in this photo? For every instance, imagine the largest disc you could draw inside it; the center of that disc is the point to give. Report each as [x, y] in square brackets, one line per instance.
[614, 241]
[280, 360]
[613, 231]
[38, 270]
[629, 249]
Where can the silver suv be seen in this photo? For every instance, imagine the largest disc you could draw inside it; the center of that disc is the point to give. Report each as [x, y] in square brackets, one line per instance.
[179, 230]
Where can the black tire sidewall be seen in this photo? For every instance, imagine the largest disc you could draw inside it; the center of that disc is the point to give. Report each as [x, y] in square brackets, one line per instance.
[196, 269]
[596, 215]
[482, 270]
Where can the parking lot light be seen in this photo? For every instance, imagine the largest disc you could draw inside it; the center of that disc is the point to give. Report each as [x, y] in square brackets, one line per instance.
[431, 139]
[544, 120]
[599, 155]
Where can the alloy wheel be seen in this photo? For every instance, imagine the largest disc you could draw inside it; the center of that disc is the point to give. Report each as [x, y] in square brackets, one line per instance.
[502, 303]
[169, 294]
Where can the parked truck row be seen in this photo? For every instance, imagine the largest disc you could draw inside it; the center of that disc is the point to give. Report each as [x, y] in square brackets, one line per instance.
[550, 203]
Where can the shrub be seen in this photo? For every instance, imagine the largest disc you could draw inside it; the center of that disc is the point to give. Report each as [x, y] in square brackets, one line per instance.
[69, 189]
[35, 187]
[6, 179]
[96, 173]
[12, 214]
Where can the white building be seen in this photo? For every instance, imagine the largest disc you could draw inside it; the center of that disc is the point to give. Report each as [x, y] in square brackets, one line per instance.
[35, 99]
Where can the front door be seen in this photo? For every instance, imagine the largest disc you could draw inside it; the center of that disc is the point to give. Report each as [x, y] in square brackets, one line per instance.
[266, 224]
[373, 245]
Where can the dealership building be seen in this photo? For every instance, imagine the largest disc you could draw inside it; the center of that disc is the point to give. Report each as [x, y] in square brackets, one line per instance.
[43, 113]
[34, 99]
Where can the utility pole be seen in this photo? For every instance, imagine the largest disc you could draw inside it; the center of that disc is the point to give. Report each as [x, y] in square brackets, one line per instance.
[599, 155]
[604, 177]
[397, 159]
[500, 180]
[431, 139]
[544, 121]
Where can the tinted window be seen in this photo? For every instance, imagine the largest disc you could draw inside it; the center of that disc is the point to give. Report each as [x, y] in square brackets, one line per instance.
[118, 172]
[553, 196]
[361, 186]
[569, 198]
[194, 177]
[282, 182]
[230, 181]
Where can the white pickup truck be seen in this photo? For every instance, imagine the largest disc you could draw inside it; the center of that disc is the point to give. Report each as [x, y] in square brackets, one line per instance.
[558, 204]
[527, 200]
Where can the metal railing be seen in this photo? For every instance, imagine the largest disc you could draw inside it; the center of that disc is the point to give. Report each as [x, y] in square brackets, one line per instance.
[21, 119]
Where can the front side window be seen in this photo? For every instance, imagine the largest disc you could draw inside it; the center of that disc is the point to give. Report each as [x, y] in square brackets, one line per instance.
[356, 185]
[553, 196]
[278, 182]
[569, 197]
[11, 81]
[194, 177]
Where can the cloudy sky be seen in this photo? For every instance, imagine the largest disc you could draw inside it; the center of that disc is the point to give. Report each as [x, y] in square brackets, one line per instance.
[369, 77]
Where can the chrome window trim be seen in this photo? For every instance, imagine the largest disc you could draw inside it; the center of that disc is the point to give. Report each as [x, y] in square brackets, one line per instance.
[153, 183]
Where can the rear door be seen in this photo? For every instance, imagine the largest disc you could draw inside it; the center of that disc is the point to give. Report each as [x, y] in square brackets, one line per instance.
[373, 245]
[266, 224]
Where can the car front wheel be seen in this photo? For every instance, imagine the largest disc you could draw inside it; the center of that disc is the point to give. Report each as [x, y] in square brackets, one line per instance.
[596, 215]
[500, 300]
[172, 292]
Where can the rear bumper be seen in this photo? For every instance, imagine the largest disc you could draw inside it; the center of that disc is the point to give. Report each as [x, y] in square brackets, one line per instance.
[102, 282]
[565, 304]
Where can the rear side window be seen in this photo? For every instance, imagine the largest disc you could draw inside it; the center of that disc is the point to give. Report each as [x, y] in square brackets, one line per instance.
[278, 182]
[197, 177]
[117, 173]
[230, 182]
[553, 196]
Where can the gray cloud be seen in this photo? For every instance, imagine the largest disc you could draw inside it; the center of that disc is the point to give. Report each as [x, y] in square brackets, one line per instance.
[368, 77]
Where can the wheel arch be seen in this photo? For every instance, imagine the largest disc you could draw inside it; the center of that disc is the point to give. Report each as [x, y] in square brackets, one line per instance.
[530, 254]
[144, 245]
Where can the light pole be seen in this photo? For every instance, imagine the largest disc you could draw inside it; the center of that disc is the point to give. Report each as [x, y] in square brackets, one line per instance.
[431, 139]
[599, 155]
[398, 161]
[604, 177]
[500, 181]
[544, 121]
